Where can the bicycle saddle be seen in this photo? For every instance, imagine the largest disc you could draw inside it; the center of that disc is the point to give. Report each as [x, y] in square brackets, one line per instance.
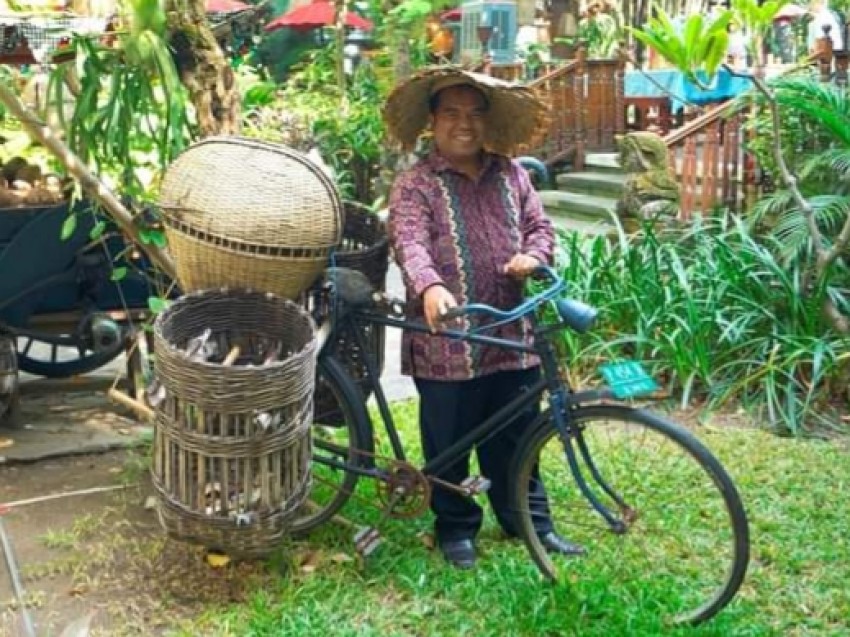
[350, 286]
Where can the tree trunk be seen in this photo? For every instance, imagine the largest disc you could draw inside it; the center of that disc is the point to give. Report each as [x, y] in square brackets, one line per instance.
[204, 69]
[341, 8]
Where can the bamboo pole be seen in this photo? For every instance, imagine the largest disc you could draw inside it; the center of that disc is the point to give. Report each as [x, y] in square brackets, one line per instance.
[90, 183]
[138, 407]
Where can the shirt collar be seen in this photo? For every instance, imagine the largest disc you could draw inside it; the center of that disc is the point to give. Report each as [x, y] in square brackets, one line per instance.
[440, 164]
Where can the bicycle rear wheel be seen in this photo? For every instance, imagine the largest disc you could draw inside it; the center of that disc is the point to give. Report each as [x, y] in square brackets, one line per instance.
[682, 546]
[340, 429]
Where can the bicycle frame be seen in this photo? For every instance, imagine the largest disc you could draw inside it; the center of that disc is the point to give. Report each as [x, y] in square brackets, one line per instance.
[562, 400]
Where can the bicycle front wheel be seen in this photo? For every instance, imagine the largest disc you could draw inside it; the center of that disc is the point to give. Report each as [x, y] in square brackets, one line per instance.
[677, 542]
[340, 431]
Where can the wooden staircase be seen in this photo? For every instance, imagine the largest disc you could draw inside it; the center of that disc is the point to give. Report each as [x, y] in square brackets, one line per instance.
[585, 201]
[587, 110]
[708, 154]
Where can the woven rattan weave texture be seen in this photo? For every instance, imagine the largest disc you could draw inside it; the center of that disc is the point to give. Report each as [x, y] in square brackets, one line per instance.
[365, 248]
[232, 447]
[246, 213]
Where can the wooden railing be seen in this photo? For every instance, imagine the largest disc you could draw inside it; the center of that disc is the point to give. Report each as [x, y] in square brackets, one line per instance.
[604, 106]
[587, 109]
[709, 158]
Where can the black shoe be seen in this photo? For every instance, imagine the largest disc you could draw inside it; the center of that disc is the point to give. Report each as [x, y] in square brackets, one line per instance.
[459, 553]
[554, 543]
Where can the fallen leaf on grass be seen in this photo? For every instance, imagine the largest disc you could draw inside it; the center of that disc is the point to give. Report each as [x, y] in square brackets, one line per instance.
[78, 590]
[427, 540]
[309, 561]
[341, 558]
[217, 560]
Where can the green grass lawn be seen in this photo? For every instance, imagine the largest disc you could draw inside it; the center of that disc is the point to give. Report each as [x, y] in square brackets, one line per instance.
[795, 492]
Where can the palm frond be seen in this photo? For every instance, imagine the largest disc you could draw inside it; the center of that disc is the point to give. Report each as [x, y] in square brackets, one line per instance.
[826, 104]
[789, 228]
[831, 211]
[830, 160]
[770, 205]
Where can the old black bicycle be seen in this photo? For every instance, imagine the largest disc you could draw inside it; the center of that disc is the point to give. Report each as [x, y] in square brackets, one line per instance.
[659, 514]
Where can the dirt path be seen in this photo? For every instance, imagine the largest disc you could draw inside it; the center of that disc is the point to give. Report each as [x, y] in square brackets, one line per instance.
[104, 553]
[57, 542]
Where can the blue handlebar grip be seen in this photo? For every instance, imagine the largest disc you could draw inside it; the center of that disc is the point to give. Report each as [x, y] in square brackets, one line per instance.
[579, 316]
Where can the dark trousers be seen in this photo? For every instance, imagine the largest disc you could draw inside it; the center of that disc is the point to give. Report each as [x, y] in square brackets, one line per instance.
[447, 411]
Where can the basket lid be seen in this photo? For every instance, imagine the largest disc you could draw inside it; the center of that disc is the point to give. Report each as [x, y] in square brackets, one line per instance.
[251, 191]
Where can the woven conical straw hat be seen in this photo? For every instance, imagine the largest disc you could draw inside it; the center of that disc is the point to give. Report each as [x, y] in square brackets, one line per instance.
[516, 117]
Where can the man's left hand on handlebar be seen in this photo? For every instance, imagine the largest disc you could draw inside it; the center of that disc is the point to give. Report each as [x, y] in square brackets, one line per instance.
[521, 266]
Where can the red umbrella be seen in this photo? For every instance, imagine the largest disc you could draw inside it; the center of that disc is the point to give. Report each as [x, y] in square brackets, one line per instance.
[790, 12]
[226, 6]
[319, 13]
[452, 15]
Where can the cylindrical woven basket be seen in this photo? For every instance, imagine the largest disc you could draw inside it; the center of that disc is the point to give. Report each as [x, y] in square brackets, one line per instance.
[365, 248]
[231, 457]
[245, 213]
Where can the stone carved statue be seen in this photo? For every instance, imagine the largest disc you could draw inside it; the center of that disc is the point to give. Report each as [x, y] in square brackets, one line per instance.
[651, 189]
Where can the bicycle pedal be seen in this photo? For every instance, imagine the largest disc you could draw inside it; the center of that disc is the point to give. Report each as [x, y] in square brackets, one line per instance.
[366, 540]
[476, 485]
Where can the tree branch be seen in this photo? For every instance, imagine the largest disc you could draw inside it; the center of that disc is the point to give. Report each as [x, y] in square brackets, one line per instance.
[788, 179]
[90, 183]
[827, 257]
[824, 257]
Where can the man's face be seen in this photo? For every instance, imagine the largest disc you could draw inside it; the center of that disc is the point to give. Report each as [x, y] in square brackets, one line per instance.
[458, 122]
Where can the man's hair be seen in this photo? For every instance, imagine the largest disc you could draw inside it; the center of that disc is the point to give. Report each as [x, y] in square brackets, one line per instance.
[434, 100]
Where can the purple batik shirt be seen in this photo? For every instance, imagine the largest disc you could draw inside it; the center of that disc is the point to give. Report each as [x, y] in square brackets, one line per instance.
[447, 228]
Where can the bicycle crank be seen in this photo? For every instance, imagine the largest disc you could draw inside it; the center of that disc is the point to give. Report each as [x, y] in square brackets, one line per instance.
[404, 492]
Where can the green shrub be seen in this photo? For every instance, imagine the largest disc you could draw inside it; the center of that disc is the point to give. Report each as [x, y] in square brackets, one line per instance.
[715, 314]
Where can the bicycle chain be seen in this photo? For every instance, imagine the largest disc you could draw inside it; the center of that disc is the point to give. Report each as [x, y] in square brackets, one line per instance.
[404, 492]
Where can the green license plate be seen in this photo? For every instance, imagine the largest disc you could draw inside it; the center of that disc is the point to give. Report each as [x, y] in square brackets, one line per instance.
[628, 379]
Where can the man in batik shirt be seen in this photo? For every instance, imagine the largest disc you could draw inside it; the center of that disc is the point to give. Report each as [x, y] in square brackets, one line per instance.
[466, 226]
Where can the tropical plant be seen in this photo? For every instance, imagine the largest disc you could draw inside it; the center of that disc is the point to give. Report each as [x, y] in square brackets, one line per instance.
[816, 144]
[600, 33]
[688, 55]
[716, 314]
[130, 117]
[344, 125]
[697, 49]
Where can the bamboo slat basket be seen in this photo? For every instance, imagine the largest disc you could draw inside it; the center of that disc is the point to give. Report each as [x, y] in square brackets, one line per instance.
[231, 457]
[364, 247]
[245, 213]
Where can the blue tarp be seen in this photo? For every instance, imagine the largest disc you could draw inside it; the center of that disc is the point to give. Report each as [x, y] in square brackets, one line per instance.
[724, 86]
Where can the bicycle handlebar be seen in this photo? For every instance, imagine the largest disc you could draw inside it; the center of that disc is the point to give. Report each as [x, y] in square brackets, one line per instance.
[577, 315]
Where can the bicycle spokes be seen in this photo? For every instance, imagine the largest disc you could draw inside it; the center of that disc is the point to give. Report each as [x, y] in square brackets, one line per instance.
[682, 540]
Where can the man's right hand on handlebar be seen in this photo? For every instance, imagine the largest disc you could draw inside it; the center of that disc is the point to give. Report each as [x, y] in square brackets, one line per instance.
[437, 300]
[521, 266]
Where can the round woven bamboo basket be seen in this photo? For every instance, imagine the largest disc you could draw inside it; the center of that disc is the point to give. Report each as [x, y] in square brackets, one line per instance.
[365, 248]
[231, 457]
[245, 213]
